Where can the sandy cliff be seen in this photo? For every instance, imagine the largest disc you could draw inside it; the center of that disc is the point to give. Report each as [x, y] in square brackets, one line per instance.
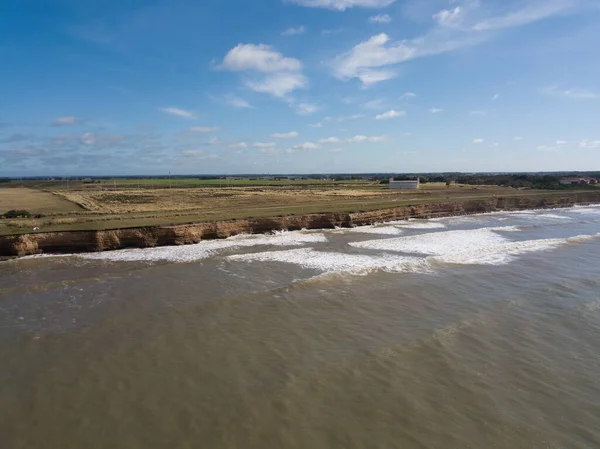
[143, 237]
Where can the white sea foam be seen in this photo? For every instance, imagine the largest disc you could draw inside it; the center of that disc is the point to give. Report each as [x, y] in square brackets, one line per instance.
[586, 210]
[383, 230]
[334, 262]
[440, 243]
[203, 250]
[420, 224]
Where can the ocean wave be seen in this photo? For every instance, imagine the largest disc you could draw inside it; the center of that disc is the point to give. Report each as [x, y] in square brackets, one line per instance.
[335, 262]
[410, 224]
[206, 249]
[375, 229]
[439, 243]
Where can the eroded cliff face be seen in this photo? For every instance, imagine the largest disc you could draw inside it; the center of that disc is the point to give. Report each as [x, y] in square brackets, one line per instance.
[145, 237]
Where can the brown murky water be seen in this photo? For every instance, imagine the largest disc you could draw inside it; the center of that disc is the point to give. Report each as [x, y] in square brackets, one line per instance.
[471, 332]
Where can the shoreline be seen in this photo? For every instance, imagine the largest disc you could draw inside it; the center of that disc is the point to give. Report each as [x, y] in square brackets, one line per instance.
[71, 242]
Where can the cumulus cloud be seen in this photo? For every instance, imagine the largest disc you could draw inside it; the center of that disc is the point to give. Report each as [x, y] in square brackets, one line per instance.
[390, 114]
[342, 5]
[282, 75]
[305, 108]
[435, 110]
[279, 84]
[261, 57]
[329, 140]
[380, 18]
[408, 95]
[179, 112]
[478, 141]
[290, 135]
[294, 31]
[361, 138]
[65, 121]
[304, 146]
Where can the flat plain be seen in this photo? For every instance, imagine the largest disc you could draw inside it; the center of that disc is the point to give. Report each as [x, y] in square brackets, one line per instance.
[108, 205]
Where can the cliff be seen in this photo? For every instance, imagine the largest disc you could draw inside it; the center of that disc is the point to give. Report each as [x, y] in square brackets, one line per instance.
[144, 237]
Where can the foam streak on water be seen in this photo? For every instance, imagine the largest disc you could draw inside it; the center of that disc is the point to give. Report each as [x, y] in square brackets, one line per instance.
[334, 261]
[203, 250]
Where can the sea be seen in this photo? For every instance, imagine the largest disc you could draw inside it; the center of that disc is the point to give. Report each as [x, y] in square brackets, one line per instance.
[479, 331]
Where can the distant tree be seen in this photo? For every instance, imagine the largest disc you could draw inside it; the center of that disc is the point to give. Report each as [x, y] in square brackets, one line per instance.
[17, 214]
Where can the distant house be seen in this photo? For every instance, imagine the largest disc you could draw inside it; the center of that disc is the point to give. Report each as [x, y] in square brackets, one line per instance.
[578, 181]
[405, 185]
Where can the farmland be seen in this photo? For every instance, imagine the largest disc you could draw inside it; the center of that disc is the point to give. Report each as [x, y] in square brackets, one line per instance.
[115, 204]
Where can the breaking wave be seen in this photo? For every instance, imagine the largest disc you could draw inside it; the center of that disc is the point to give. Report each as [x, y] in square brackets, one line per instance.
[206, 249]
[335, 261]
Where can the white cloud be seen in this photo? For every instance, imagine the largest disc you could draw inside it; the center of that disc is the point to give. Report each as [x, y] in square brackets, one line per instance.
[65, 121]
[494, 144]
[304, 146]
[282, 75]
[279, 84]
[261, 57]
[532, 12]
[360, 138]
[574, 93]
[179, 112]
[390, 114]
[294, 31]
[435, 110]
[264, 145]
[342, 5]
[380, 18]
[290, 135]
[374, 53]
[449, 17]
[375, 76]
[478, 141]
[561, 142]
[330, 140]
[305, 108]
[237, 102]
[408, 95]
[495, 97]
[239, 145]
[204, 129]
[372, 61]
[590, 144]
[518, 138]
[480, 113]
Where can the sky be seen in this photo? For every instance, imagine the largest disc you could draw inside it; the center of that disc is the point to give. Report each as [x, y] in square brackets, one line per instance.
[132, 87]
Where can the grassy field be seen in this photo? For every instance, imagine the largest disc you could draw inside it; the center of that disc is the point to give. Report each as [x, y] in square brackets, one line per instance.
[35, 201]
[84, 208]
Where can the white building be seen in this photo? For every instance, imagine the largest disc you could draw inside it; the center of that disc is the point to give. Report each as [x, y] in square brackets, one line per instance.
[405, 185]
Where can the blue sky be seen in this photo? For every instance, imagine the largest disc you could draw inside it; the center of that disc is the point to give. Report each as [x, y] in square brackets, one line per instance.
[298, 86]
